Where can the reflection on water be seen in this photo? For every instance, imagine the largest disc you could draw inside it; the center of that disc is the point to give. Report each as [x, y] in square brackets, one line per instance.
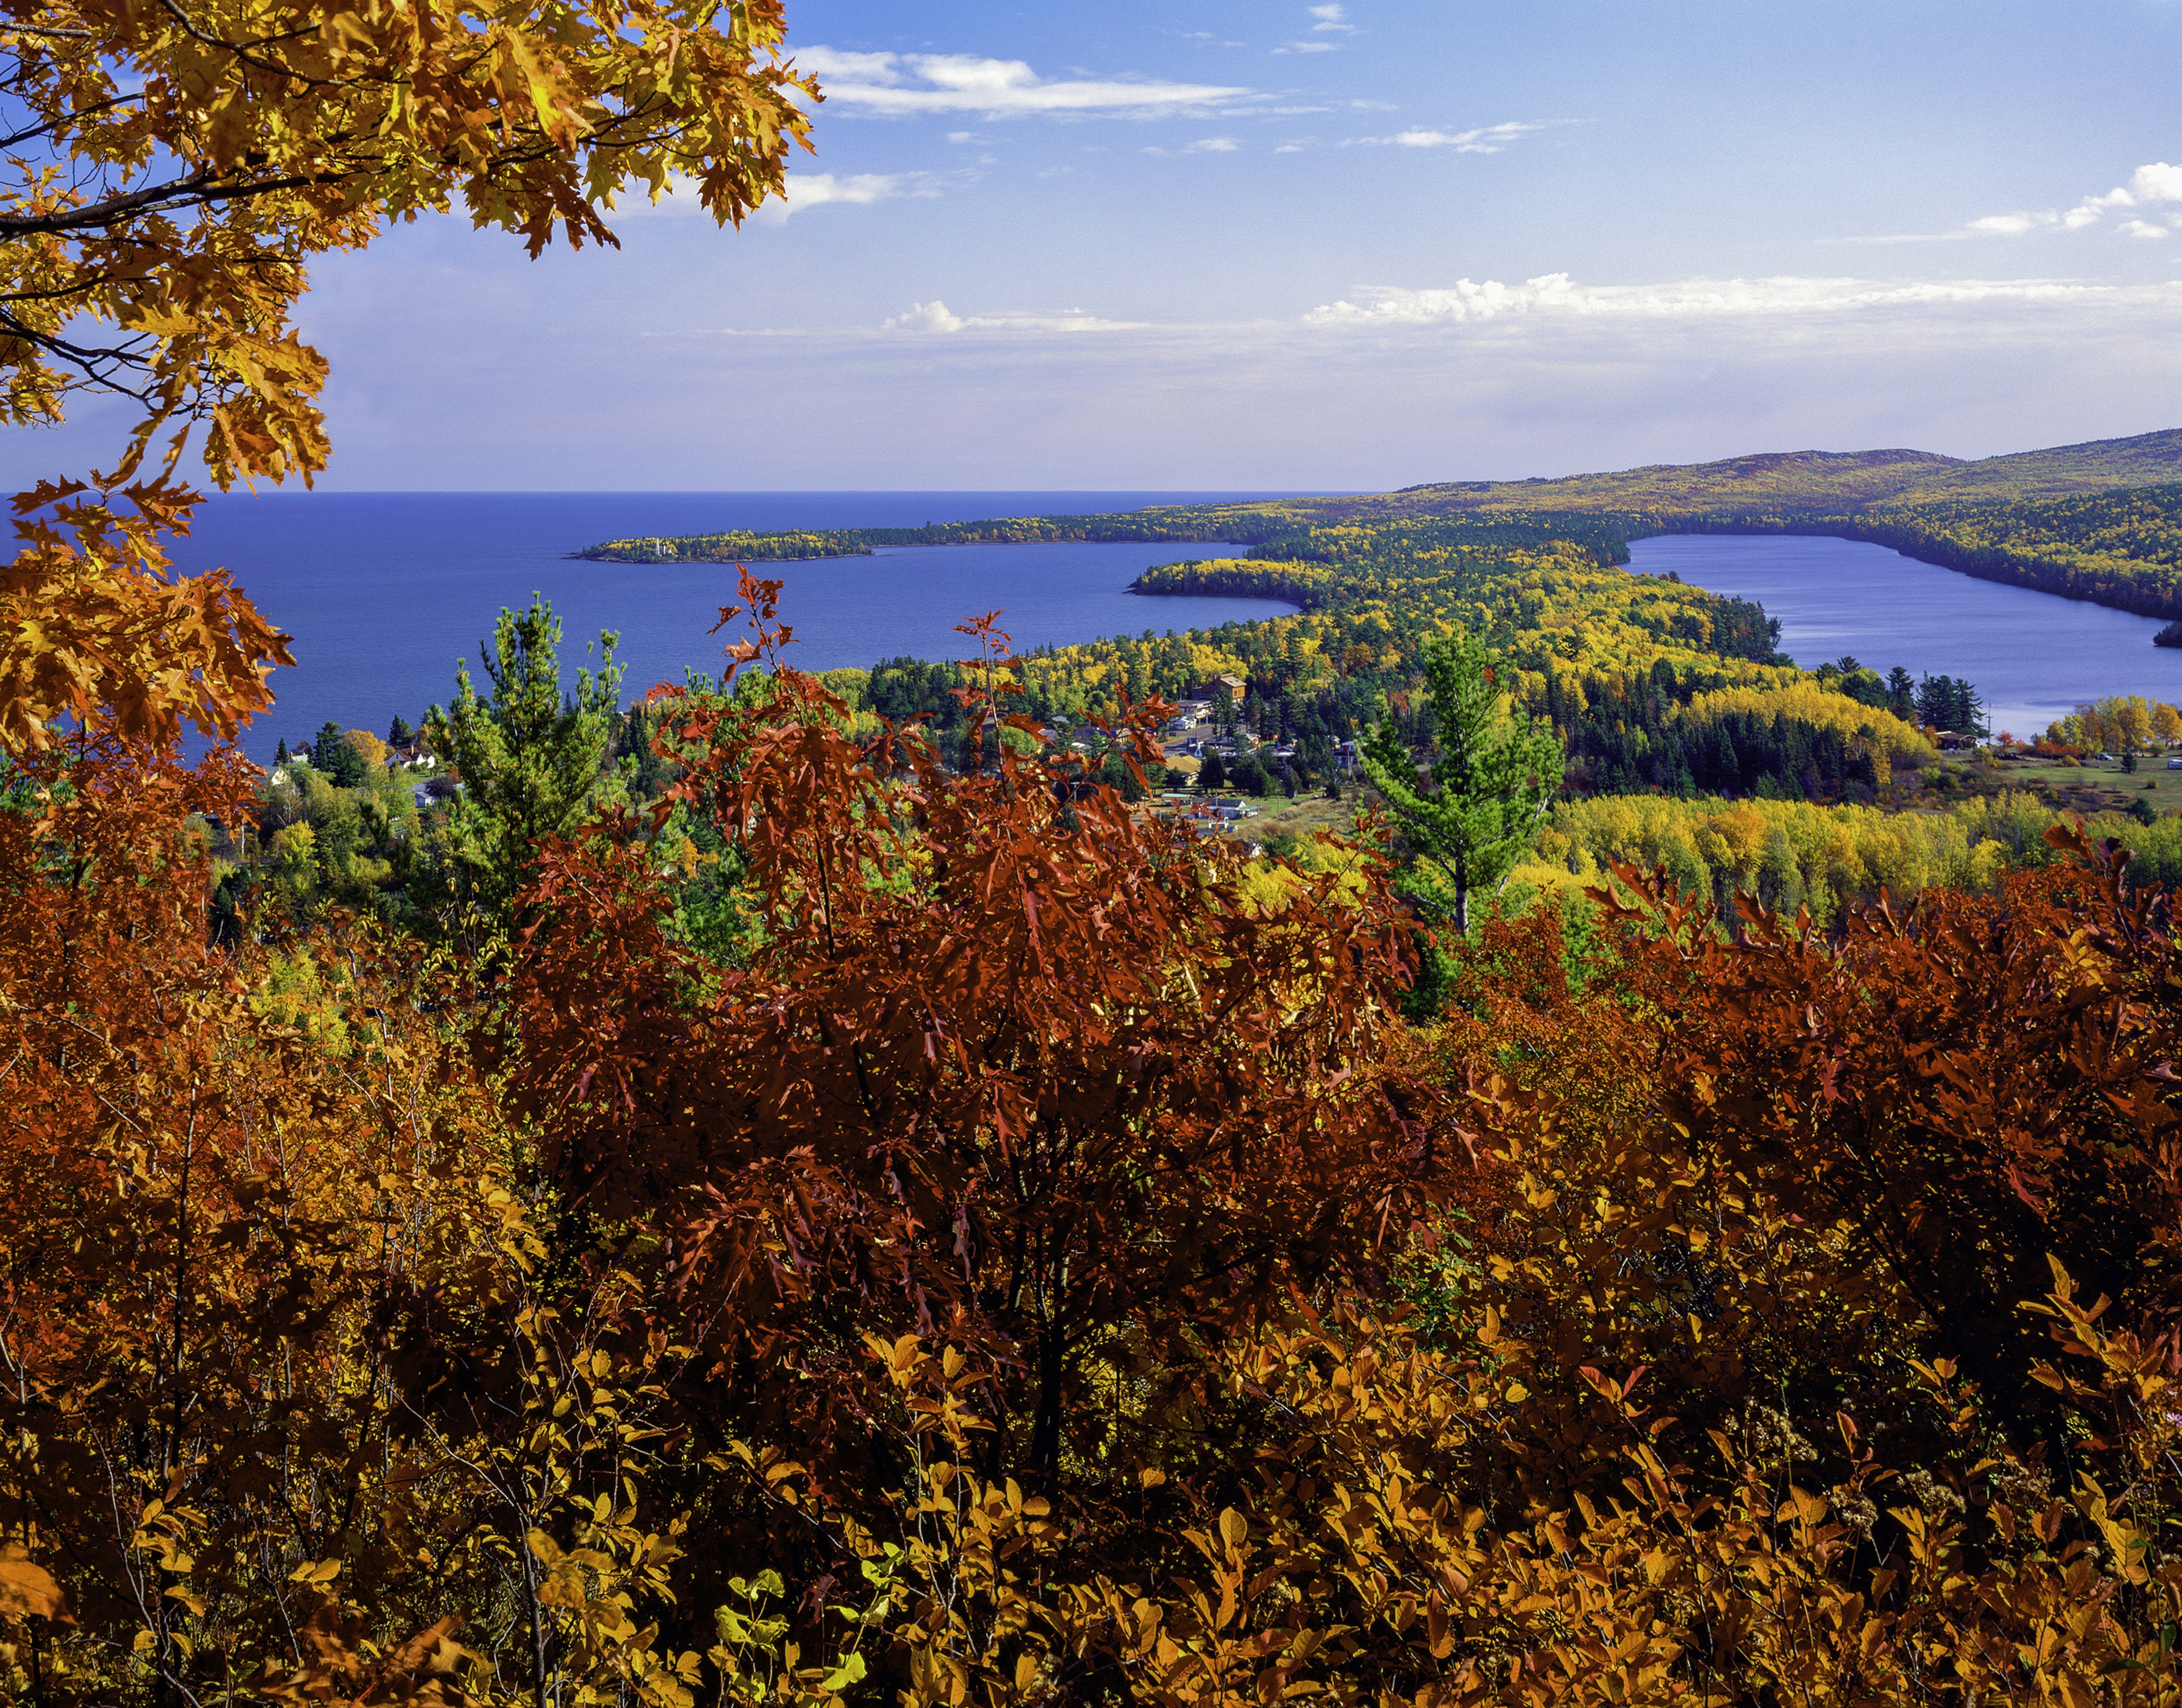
[2032, 655]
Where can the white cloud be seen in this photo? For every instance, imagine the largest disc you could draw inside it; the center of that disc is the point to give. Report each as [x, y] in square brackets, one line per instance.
[860, 189]
[2012, 225]
[2157, 182]
[1330, 15]
[803, 190]
[1486, 139]
[927, 317]
[1558, 295]
[902, 84]
[825, 63]
[1309, 47]
[935, 315]
[2141, 228]
[1203, 145]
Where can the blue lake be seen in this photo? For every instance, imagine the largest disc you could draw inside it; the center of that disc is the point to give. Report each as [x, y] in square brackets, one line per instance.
[2033, 655]
[383, 592]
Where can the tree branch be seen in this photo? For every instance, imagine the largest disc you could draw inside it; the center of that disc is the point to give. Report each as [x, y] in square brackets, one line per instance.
[197, 191]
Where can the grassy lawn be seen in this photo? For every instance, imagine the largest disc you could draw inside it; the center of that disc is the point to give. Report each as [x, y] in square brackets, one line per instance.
[1276, 815]
[2091, 786]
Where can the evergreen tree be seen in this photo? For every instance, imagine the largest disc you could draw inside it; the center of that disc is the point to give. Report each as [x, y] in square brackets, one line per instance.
[1494, 776]
[332, 758]
[1901, 693]
[528, 756]
[1213, 773]
[1948, 703]
[1248, 774]
[399, 733]
[280, 753]
[1970, 710]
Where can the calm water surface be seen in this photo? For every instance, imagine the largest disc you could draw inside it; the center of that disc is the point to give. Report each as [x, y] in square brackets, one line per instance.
[383, 591]
[2034, 656]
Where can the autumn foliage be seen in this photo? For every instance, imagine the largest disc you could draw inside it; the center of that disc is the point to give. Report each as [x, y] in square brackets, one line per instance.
[171, 175]
[1036, 1268]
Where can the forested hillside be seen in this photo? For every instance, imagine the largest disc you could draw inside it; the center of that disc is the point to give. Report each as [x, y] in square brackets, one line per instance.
[2122, 548]
[1982, 517]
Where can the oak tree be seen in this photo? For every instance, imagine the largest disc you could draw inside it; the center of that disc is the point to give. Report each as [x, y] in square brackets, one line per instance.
[170, 171]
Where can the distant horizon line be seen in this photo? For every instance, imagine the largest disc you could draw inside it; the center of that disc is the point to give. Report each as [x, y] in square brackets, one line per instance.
[780, 491]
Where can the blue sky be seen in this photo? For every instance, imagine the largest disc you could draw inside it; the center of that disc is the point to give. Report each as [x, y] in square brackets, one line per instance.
[1207, 243]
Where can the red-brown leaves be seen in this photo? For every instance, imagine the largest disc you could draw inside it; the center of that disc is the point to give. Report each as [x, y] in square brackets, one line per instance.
[1011, 1057]
[1781, 1169]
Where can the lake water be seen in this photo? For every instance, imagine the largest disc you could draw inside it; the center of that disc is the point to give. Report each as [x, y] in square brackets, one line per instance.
[2033, 655]
[383, 592]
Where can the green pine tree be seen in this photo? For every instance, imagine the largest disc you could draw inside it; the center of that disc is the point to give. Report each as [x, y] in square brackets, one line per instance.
[1494, 776]
[334, 758]
[528, 756]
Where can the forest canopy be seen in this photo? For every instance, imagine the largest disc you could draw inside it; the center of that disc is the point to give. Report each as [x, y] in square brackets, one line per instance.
[805, 1190]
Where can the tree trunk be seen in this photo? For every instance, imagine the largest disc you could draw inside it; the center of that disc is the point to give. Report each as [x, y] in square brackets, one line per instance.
[1045, 1430]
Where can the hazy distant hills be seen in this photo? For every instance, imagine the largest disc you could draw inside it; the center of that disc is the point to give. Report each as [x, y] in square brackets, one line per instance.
[2099, 522]
[2148, 460]
[1802, 482]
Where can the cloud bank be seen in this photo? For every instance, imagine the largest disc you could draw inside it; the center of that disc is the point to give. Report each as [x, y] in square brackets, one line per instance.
[935, 315]
[903, 85]
[2147, 187]
[1559, 295]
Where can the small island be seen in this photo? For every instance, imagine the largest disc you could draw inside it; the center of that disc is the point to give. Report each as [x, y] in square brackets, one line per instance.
[1209, 523]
